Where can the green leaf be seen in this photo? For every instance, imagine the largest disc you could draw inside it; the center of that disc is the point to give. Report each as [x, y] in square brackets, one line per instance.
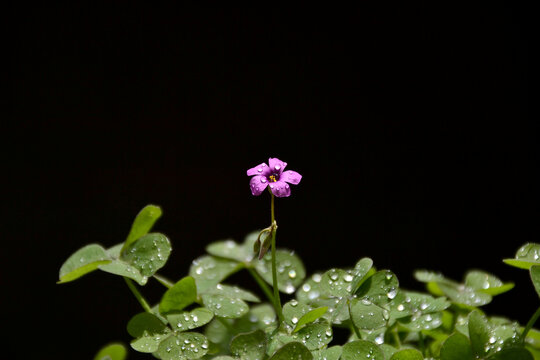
[148, 253]
[487, 283]
[380, 288]
[314, 336]
[145, 323]
[184, 345]
[407, 354]
[290, 270]
[293, 310]
[82, 262]
[361, 349]
[260, 316]
[338, 309]
[456, 347]
[512, 353]
[224, 306]
[526, 256]
[388, 350]
[147, 344]
[190, 319]
[249, 346]
[337, 282]
[366, 315]
[310, 317]
[429, 276]
[418, 311]
[465, 295]
[418, 322]
[114, 351]
[331, 353]
[208, 271]
[535, 277]
[479, 333]
[142, 224]
[121, 268]
[114, 251]
[533, 338]
[233, 292]
[230, 250]
[182, 294]
[361, 271]
[311, 290]
[292, 351]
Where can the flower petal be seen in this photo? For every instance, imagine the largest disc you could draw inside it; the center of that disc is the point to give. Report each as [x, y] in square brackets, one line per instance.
[280, 189]
[257, 170]
[258, 184]
[291, 177]
[276, 165]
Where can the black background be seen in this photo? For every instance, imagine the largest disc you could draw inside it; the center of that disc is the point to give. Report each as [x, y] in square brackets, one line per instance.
[412, 126]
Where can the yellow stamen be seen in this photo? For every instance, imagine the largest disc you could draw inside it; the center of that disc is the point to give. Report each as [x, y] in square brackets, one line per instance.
[273, 178]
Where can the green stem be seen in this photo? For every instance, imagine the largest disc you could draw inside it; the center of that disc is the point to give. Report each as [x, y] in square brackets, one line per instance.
[421, 343]
[277, 300]
[163, 281]
[262, 284]
[353, 326]
[395, 334]
[138, 295]
[530, 324]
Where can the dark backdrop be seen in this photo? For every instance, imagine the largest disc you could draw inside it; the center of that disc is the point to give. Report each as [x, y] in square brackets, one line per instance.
[410, 124]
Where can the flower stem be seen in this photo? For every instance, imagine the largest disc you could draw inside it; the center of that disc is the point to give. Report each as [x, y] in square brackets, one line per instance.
[262, 284]
[277, 300]
[530, 324]
[138, 295]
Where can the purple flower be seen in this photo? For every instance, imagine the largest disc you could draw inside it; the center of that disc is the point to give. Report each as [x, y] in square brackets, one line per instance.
[273, 175]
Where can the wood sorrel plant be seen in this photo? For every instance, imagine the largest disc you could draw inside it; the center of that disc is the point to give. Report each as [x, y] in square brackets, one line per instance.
[200, 316]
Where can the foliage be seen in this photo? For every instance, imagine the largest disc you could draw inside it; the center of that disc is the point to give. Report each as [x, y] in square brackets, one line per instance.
[202, 317]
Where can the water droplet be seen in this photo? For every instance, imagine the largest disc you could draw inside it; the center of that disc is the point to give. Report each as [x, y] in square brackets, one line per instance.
[334, 276]
[263, 179]
[316, 278]
[423, 306]
[400, 307]
[219, 287]
[348, 278]
[388, 276]
[306, 287]
[277, 167]
[271, 186]
[292, 274]
[294, 320]
[289, 289]
[379, 339]
[218, 306]
[81, 259]
[314, 295]
[328, 332]
[392, 293]
[259, 169]
[199, 270]
[492, 340]
[195, 318]
[204, 346]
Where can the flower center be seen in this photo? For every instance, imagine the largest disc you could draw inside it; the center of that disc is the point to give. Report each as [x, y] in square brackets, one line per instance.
[272, 178]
